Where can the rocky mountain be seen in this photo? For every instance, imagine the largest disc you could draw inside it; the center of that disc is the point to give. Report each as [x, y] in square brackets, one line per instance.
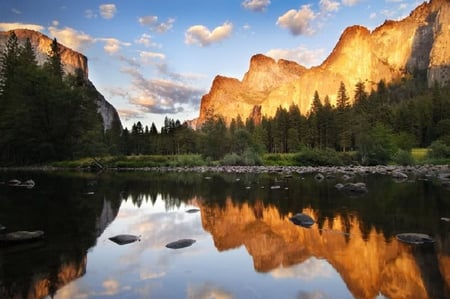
[418, 42]
[71, 60]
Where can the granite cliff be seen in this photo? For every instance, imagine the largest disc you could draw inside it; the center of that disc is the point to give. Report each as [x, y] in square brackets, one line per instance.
[418, 42]
[71, 60]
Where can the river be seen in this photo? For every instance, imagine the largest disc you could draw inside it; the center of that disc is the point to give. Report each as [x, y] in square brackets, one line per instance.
[245, 244]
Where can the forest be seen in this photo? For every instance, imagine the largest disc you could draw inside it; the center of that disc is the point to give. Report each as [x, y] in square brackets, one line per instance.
[47, 116]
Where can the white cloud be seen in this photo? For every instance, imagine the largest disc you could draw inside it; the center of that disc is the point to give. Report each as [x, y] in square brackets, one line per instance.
[146, 56]
[373, 15]
[256, 5]
[208, 290]
[154, 25]
[350, 2]
[129, 114]
[16, 11]
[300, 55]
[70, 37]
[90, 14]
[113, 45]
[161, 96]
[107, 11]
[202, 36]
[309, 270]
[298, 21]
[329, 5]
[147, 41]
[11, 26]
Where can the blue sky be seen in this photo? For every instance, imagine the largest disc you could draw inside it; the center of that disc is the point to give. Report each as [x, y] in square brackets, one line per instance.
[156, 58]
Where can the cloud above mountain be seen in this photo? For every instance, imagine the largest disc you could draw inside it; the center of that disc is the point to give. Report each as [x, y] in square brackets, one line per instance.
[153, 23]
[256, 5]
[298, 22]
[201, 35]
[107, 11]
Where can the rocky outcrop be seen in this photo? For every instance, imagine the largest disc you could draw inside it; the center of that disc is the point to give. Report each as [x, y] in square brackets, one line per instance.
[72, 61]
[421, 41]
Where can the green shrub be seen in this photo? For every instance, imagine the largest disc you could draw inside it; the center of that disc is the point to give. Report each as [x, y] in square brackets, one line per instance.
[251, 158]
[317, 157]
[403, 157]
[279, 159]
[231, 159]
[439, 150]
[248, 158]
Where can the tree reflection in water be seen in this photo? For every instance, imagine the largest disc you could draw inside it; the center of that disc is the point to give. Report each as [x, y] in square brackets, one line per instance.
[355, 235]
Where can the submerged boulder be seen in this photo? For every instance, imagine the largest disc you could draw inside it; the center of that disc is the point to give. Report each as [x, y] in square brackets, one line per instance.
[302, 220]
[352, 188]
[21, 237]
[182, 243]
[125, 239]
[415, 238]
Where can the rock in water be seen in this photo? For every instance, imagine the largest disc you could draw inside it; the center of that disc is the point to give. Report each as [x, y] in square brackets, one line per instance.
[21, 237]
[125, 239]
[180, 244]
[302, 220]
[191, 211]
[415, 238]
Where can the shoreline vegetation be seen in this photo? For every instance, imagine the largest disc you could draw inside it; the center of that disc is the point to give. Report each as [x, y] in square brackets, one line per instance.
[420, 160]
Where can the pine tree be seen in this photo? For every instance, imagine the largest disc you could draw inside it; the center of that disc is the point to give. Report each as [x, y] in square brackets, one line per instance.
[343, 118]
[343, 101]
[8, 63]
[54, 63]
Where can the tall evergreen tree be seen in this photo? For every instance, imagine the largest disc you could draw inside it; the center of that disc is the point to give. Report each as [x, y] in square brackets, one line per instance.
[54, 62]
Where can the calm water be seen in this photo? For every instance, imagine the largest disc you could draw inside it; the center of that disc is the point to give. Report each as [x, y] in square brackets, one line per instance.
[245, 247]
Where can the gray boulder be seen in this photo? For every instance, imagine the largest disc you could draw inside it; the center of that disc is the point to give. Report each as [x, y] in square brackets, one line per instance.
[302, 220]
[125, 239]
[182, 243]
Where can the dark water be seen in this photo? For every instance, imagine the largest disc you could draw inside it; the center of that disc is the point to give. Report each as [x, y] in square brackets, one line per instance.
[245, 246]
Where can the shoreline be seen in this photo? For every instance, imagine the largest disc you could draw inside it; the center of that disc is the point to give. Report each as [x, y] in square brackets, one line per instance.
[426, 170]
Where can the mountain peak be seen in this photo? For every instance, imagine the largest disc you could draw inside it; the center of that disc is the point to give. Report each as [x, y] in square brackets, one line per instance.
[72, 60]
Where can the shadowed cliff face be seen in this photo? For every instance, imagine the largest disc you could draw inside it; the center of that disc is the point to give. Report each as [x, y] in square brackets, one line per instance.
[418, 42]
[369, 265]
[71, 60]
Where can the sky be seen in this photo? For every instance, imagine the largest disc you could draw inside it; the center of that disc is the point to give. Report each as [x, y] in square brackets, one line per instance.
[153, 59]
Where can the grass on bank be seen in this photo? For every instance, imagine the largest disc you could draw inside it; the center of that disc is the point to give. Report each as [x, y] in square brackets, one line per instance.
[310, 157]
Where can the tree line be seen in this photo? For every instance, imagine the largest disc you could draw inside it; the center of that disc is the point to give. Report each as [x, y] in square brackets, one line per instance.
[46, 115]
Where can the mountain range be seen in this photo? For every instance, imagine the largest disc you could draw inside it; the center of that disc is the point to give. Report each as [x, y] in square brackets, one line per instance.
[395, 49]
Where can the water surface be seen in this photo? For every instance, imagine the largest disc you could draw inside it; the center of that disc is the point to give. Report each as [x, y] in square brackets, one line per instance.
[245, 246]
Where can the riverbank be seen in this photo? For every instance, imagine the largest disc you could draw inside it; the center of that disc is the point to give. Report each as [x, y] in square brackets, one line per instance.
[417, 171]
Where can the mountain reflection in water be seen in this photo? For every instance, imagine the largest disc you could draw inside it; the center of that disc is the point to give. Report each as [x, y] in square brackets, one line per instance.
[351, 251]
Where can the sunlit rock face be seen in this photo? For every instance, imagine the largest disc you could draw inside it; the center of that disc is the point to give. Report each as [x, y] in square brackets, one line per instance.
[264, 75]
[367, 262]
[71, 60]
[418, 42]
